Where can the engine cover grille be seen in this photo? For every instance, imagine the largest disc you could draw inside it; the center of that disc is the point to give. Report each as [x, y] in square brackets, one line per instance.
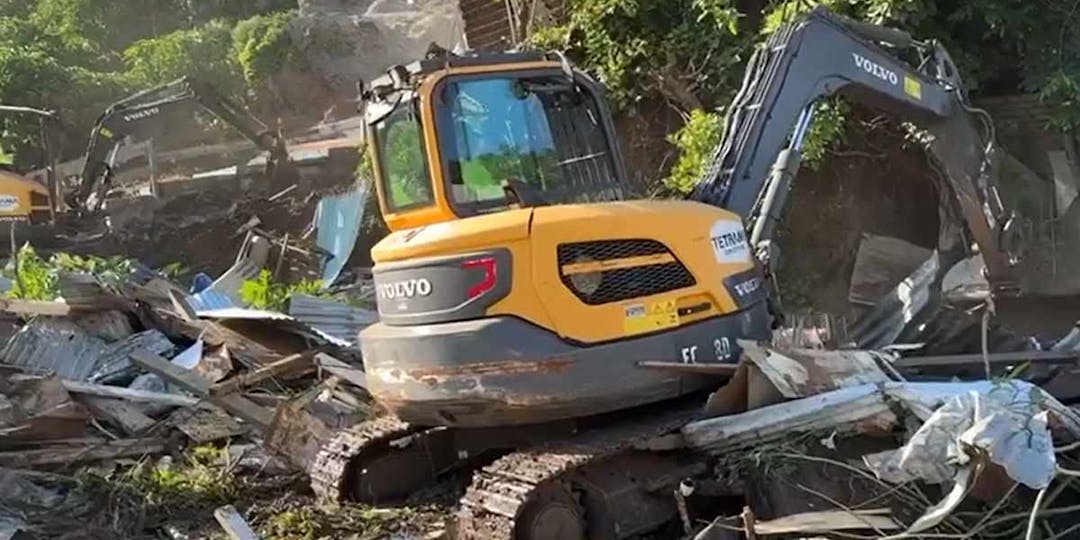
[607, 271]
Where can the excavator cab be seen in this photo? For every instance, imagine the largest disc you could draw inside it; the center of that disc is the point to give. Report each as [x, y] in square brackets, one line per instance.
[519, 280]
[459, 136]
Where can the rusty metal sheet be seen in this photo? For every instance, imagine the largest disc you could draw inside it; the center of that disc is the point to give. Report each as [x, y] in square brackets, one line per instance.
[805, 372]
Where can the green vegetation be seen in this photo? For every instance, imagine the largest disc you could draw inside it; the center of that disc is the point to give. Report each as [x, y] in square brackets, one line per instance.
[262, 47]
[348, 521]
[695, 142]
[175, 271]
[265, 293]
[682, 50]
[78, 56]
[32, 277]
[35, 278]
[198, 481]
[690, 54]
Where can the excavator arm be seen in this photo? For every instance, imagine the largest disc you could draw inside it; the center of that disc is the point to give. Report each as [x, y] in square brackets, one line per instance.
[823, 54]
[136, 115]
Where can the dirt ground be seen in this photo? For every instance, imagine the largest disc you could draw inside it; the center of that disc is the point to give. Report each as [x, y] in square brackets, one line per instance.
[875, 182]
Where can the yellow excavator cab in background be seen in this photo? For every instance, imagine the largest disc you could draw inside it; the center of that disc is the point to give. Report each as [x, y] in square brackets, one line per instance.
[515, 259]
[23, 200]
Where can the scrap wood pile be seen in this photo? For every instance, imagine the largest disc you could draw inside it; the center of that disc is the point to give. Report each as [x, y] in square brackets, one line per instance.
[127, 375]
[927, 418]
[847, 442]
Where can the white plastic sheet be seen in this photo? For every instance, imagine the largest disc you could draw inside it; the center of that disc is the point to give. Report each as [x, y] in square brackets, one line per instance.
[1007, 420]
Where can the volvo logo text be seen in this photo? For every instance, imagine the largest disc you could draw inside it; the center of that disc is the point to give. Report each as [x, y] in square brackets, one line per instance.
[408, 288]
[139, 115]
[875, 69]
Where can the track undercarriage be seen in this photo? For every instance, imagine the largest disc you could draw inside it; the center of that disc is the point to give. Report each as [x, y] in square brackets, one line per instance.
[605, 477]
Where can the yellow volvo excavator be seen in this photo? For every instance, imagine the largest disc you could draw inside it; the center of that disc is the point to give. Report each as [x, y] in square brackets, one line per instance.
[538, 325]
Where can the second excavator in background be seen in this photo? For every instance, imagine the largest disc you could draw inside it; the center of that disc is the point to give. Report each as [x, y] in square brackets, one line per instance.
[142, 113]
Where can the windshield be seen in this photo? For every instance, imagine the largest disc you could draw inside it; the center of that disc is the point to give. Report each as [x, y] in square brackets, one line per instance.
[539, 131]
[401, 158]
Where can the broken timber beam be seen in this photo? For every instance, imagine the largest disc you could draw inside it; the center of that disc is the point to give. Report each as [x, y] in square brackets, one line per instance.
[35, 307]
[127, 394]
[353, 374]
[961, 360]
[248, 351]
[296, 364]
[91, 452]
[192, 382]
[124, 414]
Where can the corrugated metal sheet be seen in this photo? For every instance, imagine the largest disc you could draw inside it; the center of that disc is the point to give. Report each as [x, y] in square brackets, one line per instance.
[114, 361]
[337, 220]
[286, 322]
[61, 346]
[48, 344]
[335, 318]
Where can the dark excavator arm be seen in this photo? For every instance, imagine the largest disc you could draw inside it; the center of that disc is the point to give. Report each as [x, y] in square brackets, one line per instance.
[822, 54]
[136, 114]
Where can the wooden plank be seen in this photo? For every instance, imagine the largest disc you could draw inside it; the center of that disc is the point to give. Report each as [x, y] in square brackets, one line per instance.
[129, 394]
[94, 452]
[207, 425]
[828, 521]
[294, 365]
[192, 382]
[35, 307]
[234, 524]
[725, 370]
[124, 414]
[962, 360]
[353, 374]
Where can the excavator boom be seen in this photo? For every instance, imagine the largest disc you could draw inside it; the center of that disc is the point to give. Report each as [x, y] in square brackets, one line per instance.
[823, 54]
[136, 114]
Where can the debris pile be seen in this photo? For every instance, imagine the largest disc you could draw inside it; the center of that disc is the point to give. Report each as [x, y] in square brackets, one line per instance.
[925, 419]
[823, 442]
[116, 378]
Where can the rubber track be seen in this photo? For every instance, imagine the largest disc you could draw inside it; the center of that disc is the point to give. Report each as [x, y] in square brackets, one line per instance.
[328, 474]
[499, 491]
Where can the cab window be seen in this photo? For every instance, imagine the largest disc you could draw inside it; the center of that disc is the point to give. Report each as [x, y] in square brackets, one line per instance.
[401, 158]
[537, 131]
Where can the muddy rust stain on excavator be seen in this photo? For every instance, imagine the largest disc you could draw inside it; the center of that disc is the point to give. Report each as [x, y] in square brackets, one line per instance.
[553, 365]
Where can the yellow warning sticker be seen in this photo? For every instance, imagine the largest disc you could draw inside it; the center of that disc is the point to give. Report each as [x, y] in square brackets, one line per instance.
[642, 318]
[912, 87]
